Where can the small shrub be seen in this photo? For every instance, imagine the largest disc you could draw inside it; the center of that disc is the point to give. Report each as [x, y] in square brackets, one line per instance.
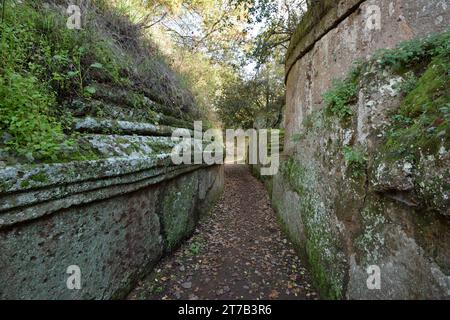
[295, 174]
[44, 66]
[339, 98]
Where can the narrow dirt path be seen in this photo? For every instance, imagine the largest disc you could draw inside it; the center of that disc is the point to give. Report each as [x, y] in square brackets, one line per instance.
[238, 252]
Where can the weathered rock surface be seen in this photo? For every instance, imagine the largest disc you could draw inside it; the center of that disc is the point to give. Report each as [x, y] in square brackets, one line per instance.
[347, 212]
[112, 216]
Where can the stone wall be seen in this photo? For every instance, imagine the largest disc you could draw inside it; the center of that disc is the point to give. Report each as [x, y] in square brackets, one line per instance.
[113, 216]
[114, 240]
[329, 50]
[343, 219]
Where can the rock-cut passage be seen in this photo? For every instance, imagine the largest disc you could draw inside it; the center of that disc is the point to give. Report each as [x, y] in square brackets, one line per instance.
[236, 252]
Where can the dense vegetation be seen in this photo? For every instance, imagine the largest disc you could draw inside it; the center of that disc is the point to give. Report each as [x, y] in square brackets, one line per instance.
[421, 123]
[194, 59]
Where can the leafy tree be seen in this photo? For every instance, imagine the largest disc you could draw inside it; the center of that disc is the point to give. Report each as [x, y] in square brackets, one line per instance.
[278, 20]
[245, 100]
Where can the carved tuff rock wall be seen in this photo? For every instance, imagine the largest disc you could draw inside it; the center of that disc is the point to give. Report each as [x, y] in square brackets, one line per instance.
[113, 216]
[345, 204]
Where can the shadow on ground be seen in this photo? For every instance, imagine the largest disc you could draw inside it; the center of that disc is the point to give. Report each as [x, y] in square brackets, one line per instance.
[237, 252]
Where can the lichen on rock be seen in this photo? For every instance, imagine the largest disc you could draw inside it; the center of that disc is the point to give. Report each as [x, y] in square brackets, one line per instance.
[370, 166]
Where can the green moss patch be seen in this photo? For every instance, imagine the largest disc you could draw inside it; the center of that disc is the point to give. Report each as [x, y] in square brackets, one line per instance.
[356, 160]
[323, 247]
[372, 240]
[342, 95]
[316, 11]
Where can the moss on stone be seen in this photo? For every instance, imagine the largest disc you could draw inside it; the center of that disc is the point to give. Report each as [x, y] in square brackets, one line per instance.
[159, 147]
[329, 283]
[356, 160]
[419, 131]
[315, 13]
[323, 248]
[39, 177]
[343, 94]
[178, 217]
[24, 184]
[371, 240]
[421, 124]
[294, 174]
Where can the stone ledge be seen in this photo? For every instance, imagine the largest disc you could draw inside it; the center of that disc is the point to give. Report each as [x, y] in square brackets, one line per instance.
[316, 23]
[32, 204]
[93, 125]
